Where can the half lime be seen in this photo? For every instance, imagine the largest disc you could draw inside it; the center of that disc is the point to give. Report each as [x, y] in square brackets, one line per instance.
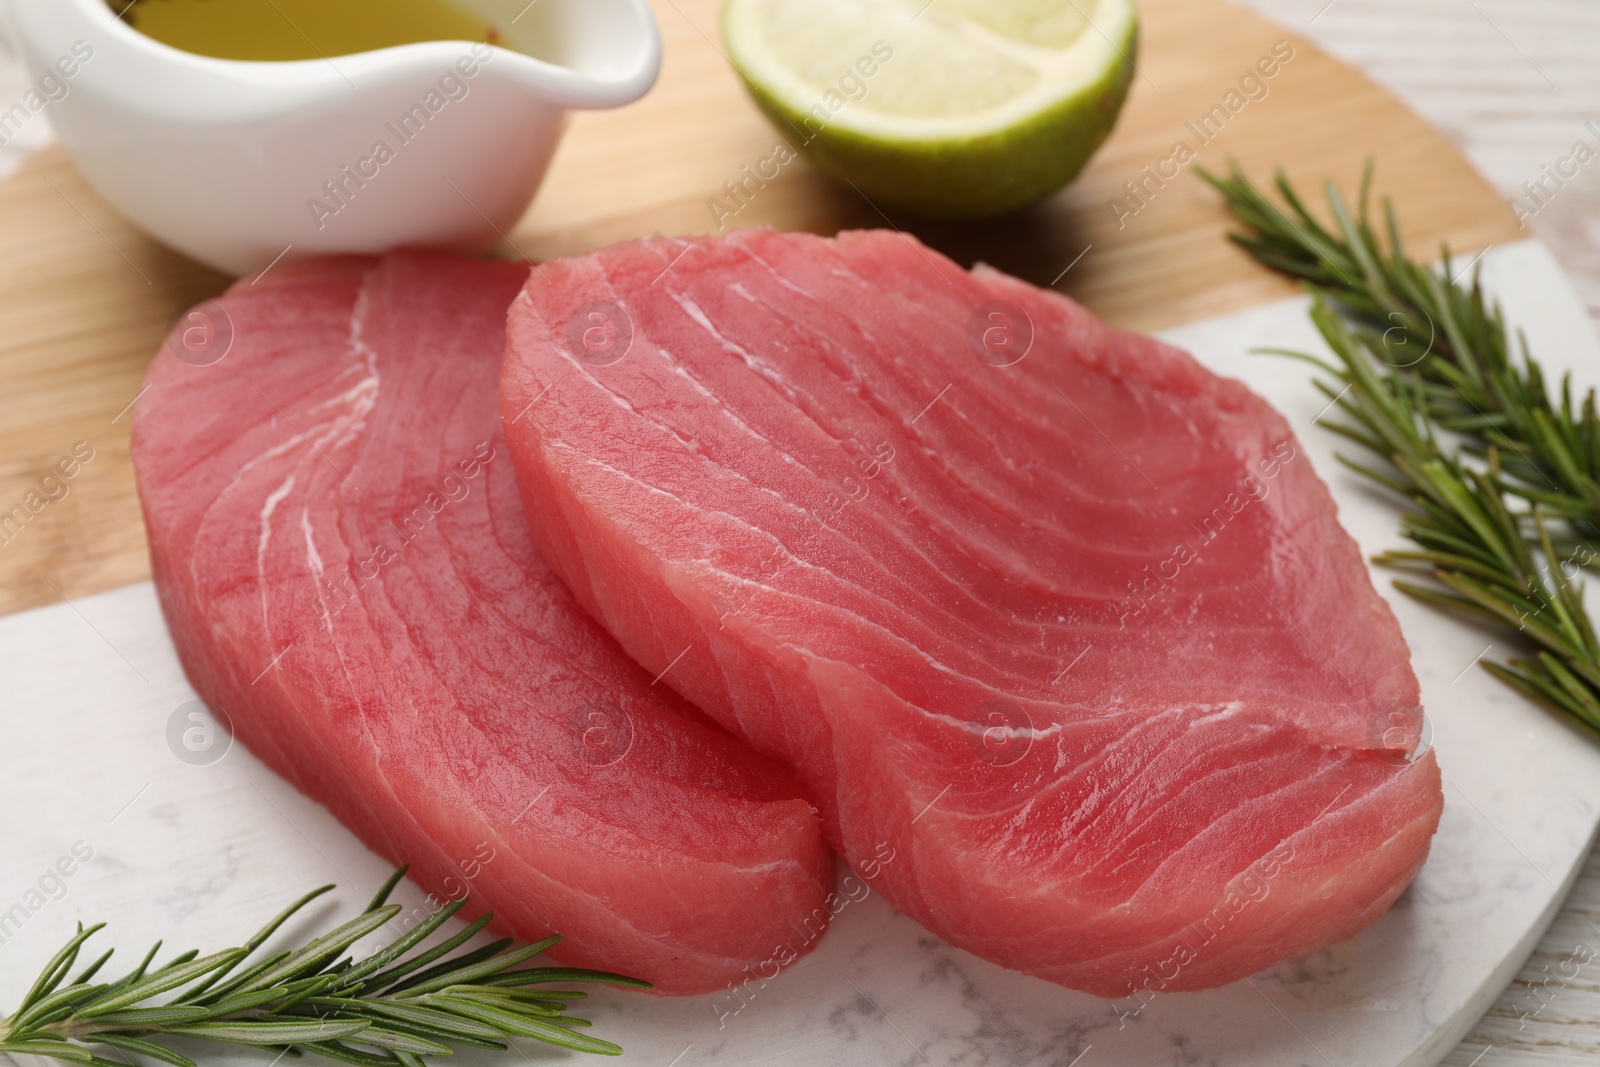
[952, 109]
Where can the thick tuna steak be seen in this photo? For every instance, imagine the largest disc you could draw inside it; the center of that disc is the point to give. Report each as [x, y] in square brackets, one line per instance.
[343, 560]
[1048, 612]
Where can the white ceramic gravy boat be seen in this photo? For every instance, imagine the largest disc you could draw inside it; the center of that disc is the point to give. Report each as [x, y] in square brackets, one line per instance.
[441, 144]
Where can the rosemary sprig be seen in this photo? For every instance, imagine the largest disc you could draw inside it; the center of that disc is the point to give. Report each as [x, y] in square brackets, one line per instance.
[1501, 482]
[402, 1005]
[1413, 316]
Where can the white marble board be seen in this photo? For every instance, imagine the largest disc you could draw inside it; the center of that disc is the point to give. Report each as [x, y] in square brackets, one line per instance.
[203, 853]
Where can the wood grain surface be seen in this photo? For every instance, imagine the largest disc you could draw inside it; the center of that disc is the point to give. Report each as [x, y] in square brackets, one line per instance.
[1514, 85]
[88, 299]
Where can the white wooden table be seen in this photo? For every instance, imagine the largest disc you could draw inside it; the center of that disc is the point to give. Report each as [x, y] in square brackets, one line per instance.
[1513, 82]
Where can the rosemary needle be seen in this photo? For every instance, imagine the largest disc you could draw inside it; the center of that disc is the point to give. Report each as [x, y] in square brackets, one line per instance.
[1503, 481]
[402, 1005]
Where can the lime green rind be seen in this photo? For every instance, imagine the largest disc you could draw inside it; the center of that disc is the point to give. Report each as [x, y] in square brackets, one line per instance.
[965, 178]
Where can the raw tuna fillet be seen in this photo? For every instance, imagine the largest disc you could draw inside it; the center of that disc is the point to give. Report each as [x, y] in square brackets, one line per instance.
[343, 560]
[1057, 619]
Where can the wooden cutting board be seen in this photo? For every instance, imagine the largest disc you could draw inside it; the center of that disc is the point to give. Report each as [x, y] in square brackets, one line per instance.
[87, 299]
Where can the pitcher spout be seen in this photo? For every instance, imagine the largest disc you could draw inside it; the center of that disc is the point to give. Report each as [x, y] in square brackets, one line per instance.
[578, 53]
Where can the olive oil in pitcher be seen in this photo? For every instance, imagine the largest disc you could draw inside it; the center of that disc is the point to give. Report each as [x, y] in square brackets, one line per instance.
[269, 30]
